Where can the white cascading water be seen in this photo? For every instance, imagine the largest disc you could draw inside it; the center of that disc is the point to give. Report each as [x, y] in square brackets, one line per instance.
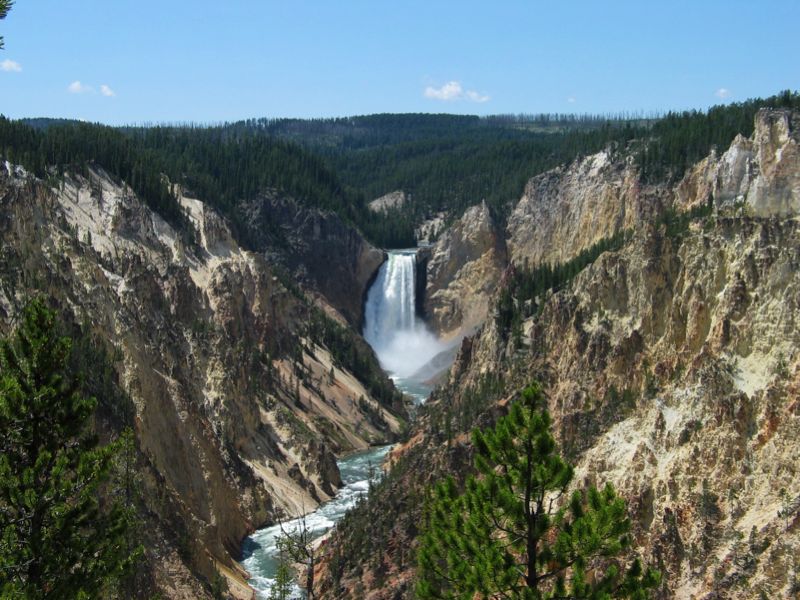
[401, 340]
[404, 346]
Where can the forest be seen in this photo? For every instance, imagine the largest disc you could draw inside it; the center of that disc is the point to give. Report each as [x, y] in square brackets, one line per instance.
[444, 163]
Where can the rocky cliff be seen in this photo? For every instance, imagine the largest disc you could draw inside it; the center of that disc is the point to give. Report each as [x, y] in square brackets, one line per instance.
[240, 403]
[672, 367]
[395, 199]
[317, 247]
[759, 176]
[463, 268]
[570, 208]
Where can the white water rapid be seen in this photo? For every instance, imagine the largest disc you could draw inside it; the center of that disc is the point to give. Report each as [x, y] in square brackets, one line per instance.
[409, 352]
[260, 550]
[404, 345]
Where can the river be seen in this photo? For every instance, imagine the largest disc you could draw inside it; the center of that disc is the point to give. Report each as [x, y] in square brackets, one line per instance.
[260, 550]
[405, 348]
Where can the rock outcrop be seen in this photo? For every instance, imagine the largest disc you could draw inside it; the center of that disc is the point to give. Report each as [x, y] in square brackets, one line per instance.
[428, 231]
[672, 372]
[318, 248]
[394, 199]
[567, 209]
[463, 269]
[238, 409]
[759, 176]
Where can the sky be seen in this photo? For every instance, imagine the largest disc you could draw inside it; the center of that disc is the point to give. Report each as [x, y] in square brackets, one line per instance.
[142, 61]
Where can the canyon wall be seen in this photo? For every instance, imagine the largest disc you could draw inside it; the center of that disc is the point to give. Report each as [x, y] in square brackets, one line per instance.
[329, 256]
[463, 268]
[239, 407]
[671, 367]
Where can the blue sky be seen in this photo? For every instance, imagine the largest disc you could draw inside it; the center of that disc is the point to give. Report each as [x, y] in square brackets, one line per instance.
[126, 61]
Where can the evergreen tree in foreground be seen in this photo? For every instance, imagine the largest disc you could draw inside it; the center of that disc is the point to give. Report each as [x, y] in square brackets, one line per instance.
[57, 538]
[508, 535]
[5, 6]
[296, 545]
[282, 588]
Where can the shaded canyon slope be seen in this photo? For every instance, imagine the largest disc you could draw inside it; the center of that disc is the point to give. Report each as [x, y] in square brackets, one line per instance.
[240, 397]
[670, 364]
[329, 256]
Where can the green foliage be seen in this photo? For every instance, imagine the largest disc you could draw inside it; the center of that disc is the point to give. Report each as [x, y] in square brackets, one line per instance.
[219, 587]
[282, 588]
[371, 131]
[218, 165]
[448, 418]
[76, 146]
[58, 539]
[505, 535]
[517, 300]
[450, 162]
[676, 224]
[444, 162]
[454, 170]
[5, 6]
[99, 378]
[678, 140]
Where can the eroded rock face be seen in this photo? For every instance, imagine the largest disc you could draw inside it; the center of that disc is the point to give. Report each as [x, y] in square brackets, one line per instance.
[238, 415]
[567, 209]
[394, 199]
[759, 176]
[321, 250]
[672, 369]
[463, 269]
[672, 373]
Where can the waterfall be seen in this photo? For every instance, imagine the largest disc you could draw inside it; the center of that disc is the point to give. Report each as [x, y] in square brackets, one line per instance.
[399, 337]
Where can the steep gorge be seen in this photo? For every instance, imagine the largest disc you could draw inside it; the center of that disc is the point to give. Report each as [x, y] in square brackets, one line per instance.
[239, 403]
[671, 367]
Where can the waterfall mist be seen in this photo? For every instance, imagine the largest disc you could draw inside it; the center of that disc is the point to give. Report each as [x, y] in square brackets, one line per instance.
[401, 340]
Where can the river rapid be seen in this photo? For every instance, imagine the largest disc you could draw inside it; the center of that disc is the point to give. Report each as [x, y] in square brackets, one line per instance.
[260, 549]
[404, 347]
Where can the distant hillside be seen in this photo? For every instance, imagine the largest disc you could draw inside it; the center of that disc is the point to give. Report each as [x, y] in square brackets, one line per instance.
[443, 163]
[45, 122]
[226, 168]
[369, 131]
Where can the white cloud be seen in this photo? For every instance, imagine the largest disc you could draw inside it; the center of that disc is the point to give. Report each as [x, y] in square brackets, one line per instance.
[76, 87]
[571, 100]
[476, 97]
[10, 66]
[451, 91]
[722, 93]
[107, 91]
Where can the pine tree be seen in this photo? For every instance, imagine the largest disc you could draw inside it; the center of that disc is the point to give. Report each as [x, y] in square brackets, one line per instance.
[57, 539]
[282, 588]
[5, 6]
[507, 534]
[297, 542]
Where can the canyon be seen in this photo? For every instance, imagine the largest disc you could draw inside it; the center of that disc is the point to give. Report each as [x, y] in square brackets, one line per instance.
[669, 359]
[670, 365]
[238, 406]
